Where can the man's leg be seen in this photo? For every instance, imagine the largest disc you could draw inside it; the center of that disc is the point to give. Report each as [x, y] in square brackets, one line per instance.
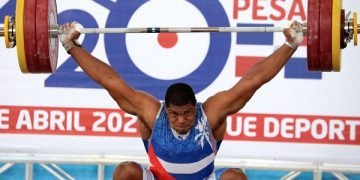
[133, 171]
[230, 174]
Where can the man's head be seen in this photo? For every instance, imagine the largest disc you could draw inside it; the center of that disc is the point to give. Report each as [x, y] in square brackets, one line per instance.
[180, 104]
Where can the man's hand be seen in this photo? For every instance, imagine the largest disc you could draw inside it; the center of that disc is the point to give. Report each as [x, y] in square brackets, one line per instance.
[294, 35]
[69, 34]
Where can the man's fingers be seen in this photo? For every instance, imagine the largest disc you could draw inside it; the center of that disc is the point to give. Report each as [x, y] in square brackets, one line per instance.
[78, 27]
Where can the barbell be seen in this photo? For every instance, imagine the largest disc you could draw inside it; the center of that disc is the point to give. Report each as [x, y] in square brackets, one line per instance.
[34, 31]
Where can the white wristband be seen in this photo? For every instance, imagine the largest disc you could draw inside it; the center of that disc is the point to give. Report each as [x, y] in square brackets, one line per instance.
[69, 45]
[291, 45]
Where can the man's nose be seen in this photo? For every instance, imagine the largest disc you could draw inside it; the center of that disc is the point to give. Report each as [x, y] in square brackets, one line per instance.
[181, 118]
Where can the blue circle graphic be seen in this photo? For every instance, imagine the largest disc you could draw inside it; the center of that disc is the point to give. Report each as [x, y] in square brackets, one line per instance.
[199, 79]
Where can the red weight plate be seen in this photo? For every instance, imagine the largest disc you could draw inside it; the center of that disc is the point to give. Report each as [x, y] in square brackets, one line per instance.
[313, 37]
[342, 30]
[47, 45]
[326, 34]
[30, 36]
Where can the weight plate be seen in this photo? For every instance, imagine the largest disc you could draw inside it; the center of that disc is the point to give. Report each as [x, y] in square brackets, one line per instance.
[29, 36]
[20, 47]
[47, 45]
[336, 35]
[313, 37]
[342, 30]
[326, 35]
[355, 29]
[6, 31]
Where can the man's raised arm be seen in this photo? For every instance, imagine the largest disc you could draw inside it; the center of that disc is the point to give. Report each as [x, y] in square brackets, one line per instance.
[231, 101]
[130, 100]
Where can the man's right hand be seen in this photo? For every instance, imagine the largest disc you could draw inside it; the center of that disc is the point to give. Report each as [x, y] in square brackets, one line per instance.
[69, 34]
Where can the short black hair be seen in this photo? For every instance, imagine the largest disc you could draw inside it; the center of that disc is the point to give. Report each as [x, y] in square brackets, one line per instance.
[179, 94]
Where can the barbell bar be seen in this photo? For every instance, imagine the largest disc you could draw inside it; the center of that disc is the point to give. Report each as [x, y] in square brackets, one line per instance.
[178, 30]
[34, 31]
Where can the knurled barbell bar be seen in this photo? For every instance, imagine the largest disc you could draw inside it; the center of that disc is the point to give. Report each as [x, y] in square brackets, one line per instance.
[34, 31]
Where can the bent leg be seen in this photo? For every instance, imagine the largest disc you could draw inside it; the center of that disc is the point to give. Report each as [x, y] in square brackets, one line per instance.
[230, 174]
[128, 170]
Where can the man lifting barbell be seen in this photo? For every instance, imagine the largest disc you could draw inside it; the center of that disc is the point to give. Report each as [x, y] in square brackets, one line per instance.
[181, 136]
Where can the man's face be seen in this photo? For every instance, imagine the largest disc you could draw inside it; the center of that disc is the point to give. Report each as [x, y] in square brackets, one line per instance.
[181, 118]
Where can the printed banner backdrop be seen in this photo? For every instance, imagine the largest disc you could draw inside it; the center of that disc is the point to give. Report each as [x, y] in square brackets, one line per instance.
[299, 115]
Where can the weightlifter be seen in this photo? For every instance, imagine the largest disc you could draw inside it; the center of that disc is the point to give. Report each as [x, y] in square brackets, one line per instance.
[181, 136]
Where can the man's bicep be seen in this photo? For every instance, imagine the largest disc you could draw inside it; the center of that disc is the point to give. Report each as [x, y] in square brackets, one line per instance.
[144, 106]
[135, 102]
[241, 93]
[216, 107]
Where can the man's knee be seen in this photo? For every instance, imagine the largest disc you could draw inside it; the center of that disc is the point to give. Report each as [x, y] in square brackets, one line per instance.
[233, 174]
[128, 170]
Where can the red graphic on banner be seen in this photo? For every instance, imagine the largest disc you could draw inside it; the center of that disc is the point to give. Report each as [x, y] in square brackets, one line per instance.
[240, 126]
[67, 121]
[167, 40]
[293, 128]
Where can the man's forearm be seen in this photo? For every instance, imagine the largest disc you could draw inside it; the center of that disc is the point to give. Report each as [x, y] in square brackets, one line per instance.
[268, 68]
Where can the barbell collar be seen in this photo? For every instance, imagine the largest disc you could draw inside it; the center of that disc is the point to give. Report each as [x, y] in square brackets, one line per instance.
[350, 27]
[8, 31]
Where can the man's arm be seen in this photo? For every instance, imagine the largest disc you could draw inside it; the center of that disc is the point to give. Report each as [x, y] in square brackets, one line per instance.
[130, 100]
[225, 103]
